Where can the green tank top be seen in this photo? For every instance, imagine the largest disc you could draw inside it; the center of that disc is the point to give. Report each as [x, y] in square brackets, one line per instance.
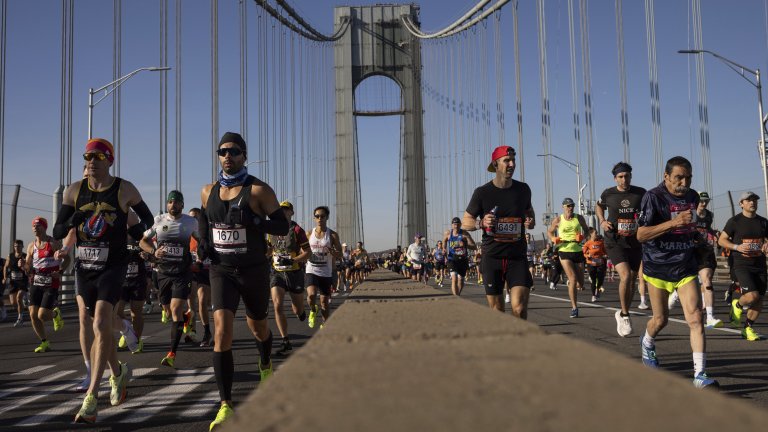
[568, 229]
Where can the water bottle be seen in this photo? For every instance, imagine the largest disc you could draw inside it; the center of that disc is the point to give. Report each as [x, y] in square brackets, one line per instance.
[489, 230]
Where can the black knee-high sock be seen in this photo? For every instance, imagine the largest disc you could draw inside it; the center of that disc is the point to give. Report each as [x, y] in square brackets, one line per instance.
[176, 334]
[224, 369]
[265, 350]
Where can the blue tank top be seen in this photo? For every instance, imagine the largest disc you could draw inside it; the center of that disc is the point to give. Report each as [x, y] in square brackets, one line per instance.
[455, 249]
[439, 255]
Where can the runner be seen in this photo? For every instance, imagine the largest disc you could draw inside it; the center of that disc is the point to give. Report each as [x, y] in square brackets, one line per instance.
[201, 282]
[359, 257]
[458, 243]
[417, 254]
[746, 234]
[439, 255]
[641, 289]
[97, 207]
[706, 258]
[546, 264]
[134, 294]
[289, 253]
[45, 274]
[232, 227]
[347, 265]
[667, 231]
[168, 241]
[505, 211]
[620, 227]
[325, 247]
[16, 279]
[594, 253]
[571, 229]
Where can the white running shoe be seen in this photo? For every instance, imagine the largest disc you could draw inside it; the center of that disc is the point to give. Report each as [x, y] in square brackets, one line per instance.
[506, 298]
[594, 299]
[623, 324]
[674, 298]
[714, 323]
[642, 306]
[130, 336]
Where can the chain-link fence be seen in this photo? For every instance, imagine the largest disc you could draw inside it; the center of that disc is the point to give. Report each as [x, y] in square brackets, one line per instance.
[29, 204]
[725, 205]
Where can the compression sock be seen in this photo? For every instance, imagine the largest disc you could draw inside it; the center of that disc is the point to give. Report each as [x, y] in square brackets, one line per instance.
[224, 369]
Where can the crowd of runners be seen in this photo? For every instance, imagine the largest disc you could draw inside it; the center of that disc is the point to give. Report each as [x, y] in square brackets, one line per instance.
[242, 244]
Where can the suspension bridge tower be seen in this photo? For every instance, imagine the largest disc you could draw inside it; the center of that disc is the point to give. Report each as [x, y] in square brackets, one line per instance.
[377, 43]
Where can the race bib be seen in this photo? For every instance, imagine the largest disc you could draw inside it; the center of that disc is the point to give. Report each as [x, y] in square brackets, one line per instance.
[92, 257]
[416, 266]
[626, 227]
[597, 261]
[17, 275]
[43, 280]
[459, 252]
[676, 209]
[133, 270]
[173, 252]
[755, 247]
[229, 241]
[508, 229]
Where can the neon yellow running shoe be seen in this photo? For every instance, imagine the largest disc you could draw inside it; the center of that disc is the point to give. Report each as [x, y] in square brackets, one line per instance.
[265, 372]
[189, 320]
[139, 348]
[736, 313]
[87, 413]
[119, 385]
[224, 413]
[164, 317]
[312, 317]
[121, 343]
[58, 323]
[43, 347]
[168, 360]
[750, 334]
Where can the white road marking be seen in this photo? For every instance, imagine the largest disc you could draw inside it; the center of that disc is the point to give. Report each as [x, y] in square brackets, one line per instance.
[32, 370]
[203, 407]
[47, 391]
[13, 390]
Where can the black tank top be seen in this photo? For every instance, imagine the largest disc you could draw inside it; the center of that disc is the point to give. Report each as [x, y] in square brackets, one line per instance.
[102, 238]
[136, 273]
[15, 272]
[233, 245]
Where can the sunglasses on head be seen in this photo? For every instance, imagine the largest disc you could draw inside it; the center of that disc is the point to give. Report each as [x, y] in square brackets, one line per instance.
[90, 156]
[319, 216]
[233, 151]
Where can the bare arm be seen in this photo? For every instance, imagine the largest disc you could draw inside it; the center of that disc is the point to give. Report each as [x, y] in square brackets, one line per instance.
[552, 228]
[646, 233]
[470, 242]
[28, 262]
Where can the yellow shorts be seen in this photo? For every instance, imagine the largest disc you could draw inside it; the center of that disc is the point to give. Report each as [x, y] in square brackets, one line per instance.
[666, 285]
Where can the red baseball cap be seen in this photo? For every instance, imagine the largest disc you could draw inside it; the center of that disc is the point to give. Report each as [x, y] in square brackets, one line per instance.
[500, 152]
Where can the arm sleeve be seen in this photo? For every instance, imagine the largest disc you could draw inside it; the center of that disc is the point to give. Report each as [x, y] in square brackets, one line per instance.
[63, 222]
[276, 225]
[142, 211]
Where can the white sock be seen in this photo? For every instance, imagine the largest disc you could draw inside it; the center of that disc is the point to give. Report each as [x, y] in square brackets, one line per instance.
[642, 298]
[648, 341]
[699, 363]
[709, 313]
[88, 367]
[126, 326]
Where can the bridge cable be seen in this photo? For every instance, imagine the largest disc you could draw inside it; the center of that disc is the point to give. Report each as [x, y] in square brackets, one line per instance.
[622, 79]
[574, 91]
[650, 28]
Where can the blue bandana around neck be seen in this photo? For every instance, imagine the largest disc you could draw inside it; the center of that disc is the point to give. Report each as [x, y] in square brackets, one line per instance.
[233, 180]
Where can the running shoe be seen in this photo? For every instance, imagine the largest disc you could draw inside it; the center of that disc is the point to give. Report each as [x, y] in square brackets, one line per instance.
[303, 316]
[714, 323]
[191, 337]
[702, 380]
[119, 385]
[131, 341]
[83, 386]
[286, 348]
[575, 313]
[43, 347]
[673, 299]
[265, 372]
[87, 413]
[164, 317]
[312, 316]
[224, 413]
[728, 297]
[121, 343]
[642, 306]
[750, 334]
[19, 322]
[58, 322]
[169, 360]
[594, 299]
[736, 313]
[147, 308]
[506, 298]
[552, 286]
[139, 348]
[623, 324]
[649, 355]
[206, 341]
[602, 289]
[189, 316]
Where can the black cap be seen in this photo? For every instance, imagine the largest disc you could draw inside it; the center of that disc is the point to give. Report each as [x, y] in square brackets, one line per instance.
[233, 137]
[455, 220]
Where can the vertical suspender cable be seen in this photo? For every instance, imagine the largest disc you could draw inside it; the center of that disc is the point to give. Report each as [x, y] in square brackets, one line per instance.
[177, 82]
[62, 99]
[70, 78]
[650, 29]
[3, 42]
[574, 89]
[518, 95]
[214, 84]
[116, 73]
[622, 79]
[244, 69]
[164, 99]
[701, 80]
[498, 59]
[545, 121]
[586, 69]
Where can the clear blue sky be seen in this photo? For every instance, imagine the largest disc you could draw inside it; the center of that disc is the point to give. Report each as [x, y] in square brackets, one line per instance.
[734, 29]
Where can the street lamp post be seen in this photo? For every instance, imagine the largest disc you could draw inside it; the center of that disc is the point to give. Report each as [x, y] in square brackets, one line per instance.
[575, 168]
[739, 69]
[109, 89]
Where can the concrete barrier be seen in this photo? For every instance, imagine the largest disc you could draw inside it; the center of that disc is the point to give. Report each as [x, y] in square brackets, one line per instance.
[399, 356]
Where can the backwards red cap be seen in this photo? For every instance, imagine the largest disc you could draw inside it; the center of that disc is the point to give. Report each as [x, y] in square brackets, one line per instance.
[40, 221]
[500, 152]
[102, 145]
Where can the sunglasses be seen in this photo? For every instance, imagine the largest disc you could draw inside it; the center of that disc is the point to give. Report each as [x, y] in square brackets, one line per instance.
[568, 205]
[90, 156]
[232, 151]
[320, 216]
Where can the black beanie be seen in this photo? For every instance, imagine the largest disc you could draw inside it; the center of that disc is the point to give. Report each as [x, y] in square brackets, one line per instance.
[233, 137]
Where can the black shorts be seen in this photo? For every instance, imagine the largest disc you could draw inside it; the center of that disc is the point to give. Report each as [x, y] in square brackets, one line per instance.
[291, 281]
[752, 280]
[439, 265]
[16, 285]
[202, 277]
[497, 271]
[324, 284]
[44, 297]
[173, 287]
[705, 256]
[105, 285]
[135, 290]
[531, 264]
[619, 254]
[459, 267]
[574, 257]
[229, 284]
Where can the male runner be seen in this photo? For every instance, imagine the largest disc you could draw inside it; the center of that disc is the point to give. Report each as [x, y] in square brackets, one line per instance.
[97, 208]
[746, 234]
[667, 231]
[201, 279]
[705, 251]
[417, 254]
[360, 258]
[168, 242]
[45, 273]
[571, 229]
[134, 294]
[232, 224]
[325, 247]
[15, 277]
[458, 243]
[439, 255]
[620, 227]
[289, 253]
[505, 211]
